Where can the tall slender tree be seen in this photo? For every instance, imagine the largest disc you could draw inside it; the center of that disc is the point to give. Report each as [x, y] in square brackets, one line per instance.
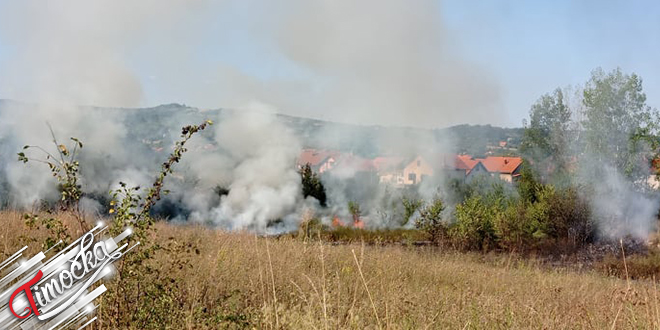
[619, 126]
[547, 137]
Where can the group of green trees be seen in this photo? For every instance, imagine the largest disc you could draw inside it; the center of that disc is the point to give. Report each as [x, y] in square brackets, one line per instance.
[532, 216]
[608, 124]
[569, 144]
[569, 149]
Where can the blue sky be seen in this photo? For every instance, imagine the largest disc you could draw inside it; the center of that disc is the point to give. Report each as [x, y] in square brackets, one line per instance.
[535, 46]
[525, 48]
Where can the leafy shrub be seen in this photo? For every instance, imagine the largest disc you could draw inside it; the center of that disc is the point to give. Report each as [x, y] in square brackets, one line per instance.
[510, 226]
[570, 217]
[540, 216]
[64, 167]
[430, 220]
[474, 226]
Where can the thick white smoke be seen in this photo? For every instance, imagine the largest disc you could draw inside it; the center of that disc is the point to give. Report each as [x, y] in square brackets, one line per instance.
[61, 57]
[621, 209]
[372, 62]
[264, 185]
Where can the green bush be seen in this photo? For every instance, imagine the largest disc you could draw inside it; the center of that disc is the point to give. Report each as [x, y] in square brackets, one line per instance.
[539, 217]
[474, 228]
[510, 226]
[430, 221]
[570, 217]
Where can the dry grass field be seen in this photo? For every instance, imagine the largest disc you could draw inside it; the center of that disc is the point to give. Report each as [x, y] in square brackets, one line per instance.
[238, 280]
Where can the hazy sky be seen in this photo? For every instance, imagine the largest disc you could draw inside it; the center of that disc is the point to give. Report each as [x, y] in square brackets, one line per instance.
[419, 63]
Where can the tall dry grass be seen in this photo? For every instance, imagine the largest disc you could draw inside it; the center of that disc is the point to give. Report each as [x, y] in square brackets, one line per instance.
[238, 280]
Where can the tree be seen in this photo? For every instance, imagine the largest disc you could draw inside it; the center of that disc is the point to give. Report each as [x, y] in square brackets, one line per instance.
[548, 134]
[528, 187]
[312, 185]
[619, 125]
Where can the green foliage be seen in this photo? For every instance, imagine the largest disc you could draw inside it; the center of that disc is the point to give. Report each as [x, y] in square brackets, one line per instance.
[312, 185]
[528, 186]
[512, 228]
[618, 123]
[569, 216]
[474, 227]
[430, 220]
[538, 215]
[64, 166]
[130, 302]
[130, 209]
[57, 231]
[547, 137]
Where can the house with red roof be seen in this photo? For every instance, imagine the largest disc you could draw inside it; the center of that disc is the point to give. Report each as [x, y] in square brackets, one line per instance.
[400, 171]
[505, 168]
[319, 160]
[460, 166]
[417, 170]
[390, 169]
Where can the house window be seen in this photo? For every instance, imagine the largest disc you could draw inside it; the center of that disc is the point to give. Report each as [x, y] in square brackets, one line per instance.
[412, 177]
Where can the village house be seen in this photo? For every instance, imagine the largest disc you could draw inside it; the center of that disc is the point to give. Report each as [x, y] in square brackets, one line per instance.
[470, 167]
[462, 167]
[505, 168]
[399, 171]
[417, 171]
[390, 170]
[319, 160]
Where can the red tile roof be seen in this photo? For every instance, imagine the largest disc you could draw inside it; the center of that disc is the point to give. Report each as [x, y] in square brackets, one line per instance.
[457, 162]
[506, 165]
[466, 162]
[315, 157]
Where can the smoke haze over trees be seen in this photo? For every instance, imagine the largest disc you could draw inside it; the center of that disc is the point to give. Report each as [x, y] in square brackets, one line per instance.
[374, 62]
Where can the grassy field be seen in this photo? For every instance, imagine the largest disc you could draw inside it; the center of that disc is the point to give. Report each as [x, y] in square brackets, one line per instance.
[238, 280]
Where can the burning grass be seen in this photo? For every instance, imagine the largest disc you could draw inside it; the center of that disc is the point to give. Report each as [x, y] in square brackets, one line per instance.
[238, 280]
